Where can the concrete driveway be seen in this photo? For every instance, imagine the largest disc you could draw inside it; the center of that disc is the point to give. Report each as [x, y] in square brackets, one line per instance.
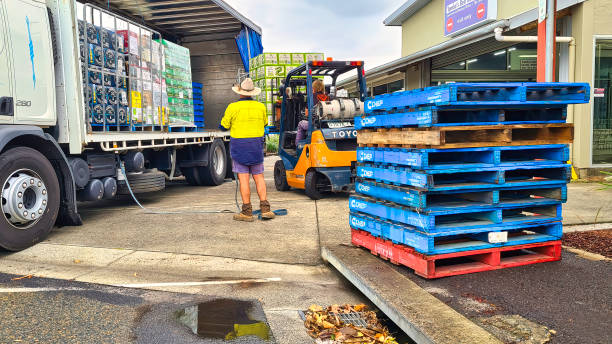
[276, 262]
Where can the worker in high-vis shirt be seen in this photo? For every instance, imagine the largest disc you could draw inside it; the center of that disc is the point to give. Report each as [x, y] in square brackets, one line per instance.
[246, 120]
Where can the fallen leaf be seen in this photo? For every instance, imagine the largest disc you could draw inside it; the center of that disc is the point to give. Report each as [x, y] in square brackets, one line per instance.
[22, 277]
[76, 261]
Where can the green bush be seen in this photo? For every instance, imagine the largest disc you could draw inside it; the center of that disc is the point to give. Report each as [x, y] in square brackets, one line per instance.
[272, 144]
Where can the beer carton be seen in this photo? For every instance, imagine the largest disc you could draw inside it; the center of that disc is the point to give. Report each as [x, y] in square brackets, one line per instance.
[297, 59]
[270, 59]
[284, 58]
[314, 57]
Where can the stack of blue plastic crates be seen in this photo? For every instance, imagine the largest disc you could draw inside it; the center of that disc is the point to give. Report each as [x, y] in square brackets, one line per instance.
[463, 178]
[198, 105]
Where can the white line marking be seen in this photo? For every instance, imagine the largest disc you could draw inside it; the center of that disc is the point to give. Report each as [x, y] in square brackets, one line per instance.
[192, 284]
[35, 290]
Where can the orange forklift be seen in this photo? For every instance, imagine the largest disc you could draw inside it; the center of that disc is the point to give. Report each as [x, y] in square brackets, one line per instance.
[324, 161]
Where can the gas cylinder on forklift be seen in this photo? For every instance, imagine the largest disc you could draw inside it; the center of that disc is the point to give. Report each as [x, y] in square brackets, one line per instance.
[324, 160]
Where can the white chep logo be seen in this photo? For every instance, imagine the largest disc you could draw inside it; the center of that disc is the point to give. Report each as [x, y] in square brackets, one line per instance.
[368, 120]
[355, 204]
[366, 173]
[370, 104]
[357, 223]
[363, 188]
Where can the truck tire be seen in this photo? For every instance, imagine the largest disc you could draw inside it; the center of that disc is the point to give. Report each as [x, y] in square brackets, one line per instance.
[310, 185]
[30, 198]
[214, 173]
[280, 176]
[192, 176]
[147, 181]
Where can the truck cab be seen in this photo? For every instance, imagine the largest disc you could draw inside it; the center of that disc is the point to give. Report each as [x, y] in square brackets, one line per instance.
[27, 82]
[324, 160]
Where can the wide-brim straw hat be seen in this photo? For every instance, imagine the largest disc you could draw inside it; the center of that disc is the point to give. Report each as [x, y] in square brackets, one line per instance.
[247, 88]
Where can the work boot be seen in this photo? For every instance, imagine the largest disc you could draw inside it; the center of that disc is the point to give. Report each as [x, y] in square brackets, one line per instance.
[246, 214]
[266, 213]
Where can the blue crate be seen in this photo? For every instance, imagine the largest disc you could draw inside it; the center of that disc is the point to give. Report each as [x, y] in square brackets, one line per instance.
[459, 241]
[465, 157]
[447, 116]
[457, 219]
[483, 95]
[467, 179]
[425, 201]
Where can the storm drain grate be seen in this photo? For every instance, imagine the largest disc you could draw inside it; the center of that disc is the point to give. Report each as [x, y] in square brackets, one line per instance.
[353, 318]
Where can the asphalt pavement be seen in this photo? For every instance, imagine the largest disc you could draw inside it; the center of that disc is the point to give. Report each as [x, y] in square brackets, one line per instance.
[41, 310]
[573, 297]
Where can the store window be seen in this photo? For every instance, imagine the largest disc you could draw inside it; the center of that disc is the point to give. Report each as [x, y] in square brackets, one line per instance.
[602, 103]
[396, 86]
[496, 60]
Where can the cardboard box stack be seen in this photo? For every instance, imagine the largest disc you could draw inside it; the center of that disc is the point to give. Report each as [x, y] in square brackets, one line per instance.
[268, 71]
[179, 87]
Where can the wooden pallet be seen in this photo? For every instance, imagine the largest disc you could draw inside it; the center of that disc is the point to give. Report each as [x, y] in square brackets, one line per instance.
[468, 136]
[458, 263]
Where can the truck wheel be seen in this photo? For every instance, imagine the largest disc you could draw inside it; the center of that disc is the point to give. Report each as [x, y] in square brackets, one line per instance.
[30, 198]
[192, 176]
[214, 173]
[143, 182]
[310, 185]
[280, 176]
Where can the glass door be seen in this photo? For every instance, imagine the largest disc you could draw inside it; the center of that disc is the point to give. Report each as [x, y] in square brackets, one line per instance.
[602, 103]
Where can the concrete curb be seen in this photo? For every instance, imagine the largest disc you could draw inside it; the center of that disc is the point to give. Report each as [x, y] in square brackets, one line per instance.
[418, 313]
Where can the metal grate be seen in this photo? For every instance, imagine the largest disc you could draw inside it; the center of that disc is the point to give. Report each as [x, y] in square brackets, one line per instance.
[350, 318]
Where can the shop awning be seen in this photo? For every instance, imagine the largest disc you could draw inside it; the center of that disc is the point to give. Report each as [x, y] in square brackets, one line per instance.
[184, 18]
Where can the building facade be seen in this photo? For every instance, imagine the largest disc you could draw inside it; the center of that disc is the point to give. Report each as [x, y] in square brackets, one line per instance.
[455, 41]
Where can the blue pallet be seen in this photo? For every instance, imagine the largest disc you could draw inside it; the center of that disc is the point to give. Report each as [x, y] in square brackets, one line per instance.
[467, 179]
[441, 117]
[426, 201]
[465, 157]
[460, 219]
[196, 85]
[198, 107]
[483, 95]
[198, 102]
[440, 243]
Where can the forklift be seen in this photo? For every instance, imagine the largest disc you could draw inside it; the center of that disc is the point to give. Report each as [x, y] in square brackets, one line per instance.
[324, 161]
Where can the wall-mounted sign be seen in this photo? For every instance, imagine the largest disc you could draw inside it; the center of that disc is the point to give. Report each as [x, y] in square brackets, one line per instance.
[463, 15]
[599, 92]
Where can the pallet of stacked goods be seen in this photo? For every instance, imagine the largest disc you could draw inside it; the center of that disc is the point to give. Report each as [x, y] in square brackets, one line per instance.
[104, 77]
[269, 70]
[198, 105]
[179, 87]
[464, 178]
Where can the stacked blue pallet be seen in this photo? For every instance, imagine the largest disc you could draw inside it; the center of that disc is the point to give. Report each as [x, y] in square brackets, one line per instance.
[465, 167]
[198, 105]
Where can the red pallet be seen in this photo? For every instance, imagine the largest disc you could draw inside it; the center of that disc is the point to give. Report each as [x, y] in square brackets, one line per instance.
[443, 265]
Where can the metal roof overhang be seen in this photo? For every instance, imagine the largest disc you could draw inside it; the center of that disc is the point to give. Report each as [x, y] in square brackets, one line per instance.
[183, 18]
[470, 37]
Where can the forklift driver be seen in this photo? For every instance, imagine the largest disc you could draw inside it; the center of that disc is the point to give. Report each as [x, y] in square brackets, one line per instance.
[318, 89]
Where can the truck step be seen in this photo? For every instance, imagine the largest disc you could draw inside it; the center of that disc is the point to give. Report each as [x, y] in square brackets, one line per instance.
[468, 240]
[468, 136]
[440, 117]
[458, 218]
[440, 201]
[483, 95]
[464, 157]
[467, 179]
[458, 263]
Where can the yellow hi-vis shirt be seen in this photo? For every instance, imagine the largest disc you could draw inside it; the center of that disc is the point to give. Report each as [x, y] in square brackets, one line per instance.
[245, 119]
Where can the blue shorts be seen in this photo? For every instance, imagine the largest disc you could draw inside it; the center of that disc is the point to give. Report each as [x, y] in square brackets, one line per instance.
[253, 169]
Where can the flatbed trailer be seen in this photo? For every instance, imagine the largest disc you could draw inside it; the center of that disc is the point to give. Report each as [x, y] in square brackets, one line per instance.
[52, 157]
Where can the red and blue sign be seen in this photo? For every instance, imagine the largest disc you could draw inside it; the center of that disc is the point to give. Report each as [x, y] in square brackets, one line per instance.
[463, 15]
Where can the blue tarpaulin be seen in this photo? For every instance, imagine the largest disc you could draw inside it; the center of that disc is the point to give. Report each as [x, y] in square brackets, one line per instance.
[254, 41]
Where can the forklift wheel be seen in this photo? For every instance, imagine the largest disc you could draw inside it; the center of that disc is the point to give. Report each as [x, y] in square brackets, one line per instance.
[310, 185]
[280, 176]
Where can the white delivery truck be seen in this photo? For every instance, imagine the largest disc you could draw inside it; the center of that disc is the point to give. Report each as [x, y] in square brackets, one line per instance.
[52, 156]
